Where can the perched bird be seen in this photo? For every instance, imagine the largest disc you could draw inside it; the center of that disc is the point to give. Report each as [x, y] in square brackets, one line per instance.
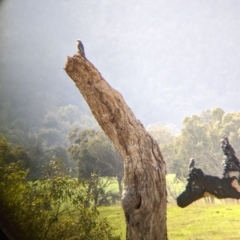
[191, 164]
[80, 47]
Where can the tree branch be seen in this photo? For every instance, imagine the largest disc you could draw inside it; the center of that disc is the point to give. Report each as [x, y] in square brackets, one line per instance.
[200, 184]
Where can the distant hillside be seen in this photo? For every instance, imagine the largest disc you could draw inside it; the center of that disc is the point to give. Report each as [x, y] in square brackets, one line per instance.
[169, 59]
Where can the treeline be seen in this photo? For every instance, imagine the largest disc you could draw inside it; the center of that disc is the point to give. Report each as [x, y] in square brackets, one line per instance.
[200, 139]
[76, 139]
[48, 137]
[69, 135]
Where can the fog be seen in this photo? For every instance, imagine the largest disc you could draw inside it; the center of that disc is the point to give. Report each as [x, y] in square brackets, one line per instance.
[169, 59]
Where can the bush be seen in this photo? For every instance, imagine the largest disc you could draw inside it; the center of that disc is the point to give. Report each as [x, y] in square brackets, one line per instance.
[50, 208]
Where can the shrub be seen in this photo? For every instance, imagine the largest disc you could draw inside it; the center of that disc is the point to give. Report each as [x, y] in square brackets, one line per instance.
[50, 208]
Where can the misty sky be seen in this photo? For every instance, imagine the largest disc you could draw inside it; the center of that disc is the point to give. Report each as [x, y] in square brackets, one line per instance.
[168, 59]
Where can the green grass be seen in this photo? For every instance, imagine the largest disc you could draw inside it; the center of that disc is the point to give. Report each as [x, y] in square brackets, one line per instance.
[113, 185]
[198, 221]
[195, 222]
[115, 216]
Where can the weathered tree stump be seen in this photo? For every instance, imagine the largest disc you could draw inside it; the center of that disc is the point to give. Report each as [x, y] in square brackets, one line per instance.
[144, 196]
[200, 185]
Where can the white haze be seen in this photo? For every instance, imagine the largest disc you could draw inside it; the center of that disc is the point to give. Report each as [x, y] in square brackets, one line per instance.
[168, 59]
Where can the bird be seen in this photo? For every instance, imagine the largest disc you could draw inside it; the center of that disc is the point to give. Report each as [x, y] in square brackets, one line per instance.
[80, 47]
[191, 164]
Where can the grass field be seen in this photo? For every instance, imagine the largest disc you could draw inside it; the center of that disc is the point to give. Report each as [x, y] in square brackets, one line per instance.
[195, 222]
[198, 221]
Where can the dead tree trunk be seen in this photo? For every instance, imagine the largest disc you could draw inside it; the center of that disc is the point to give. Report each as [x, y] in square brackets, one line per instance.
[144, 195]
[200, 185]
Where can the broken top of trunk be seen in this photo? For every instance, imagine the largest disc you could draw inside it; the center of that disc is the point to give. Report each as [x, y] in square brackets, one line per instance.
[231, 163]
[200, 184]
[144, 195]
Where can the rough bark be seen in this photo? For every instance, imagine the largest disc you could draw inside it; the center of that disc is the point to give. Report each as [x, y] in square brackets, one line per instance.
[144, 194]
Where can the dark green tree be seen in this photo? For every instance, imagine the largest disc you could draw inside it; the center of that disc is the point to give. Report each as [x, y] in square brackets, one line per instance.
[101, 147]
[96, 156]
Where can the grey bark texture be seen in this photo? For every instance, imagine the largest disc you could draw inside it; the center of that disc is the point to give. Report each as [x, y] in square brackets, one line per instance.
[144, 195]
